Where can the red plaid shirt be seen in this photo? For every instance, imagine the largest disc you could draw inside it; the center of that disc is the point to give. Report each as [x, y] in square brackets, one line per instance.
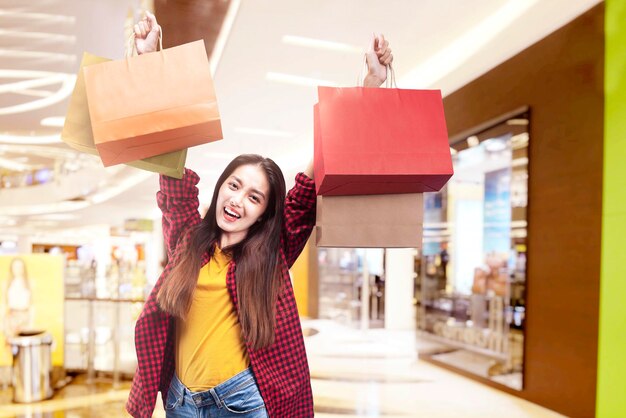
[282, 370]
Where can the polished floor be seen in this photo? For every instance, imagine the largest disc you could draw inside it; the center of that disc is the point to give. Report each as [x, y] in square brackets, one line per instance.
[354, 373]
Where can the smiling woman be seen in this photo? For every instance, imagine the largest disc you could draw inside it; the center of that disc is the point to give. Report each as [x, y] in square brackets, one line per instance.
[221, 326]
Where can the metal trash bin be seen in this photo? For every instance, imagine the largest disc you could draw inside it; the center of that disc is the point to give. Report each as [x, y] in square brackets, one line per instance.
[32, 366]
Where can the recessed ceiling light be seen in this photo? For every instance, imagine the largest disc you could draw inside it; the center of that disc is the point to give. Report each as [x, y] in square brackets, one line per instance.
[31, 80]
[48, 37]
[494, 145]
[13, 165]
[320, 44]
[55, 217]
[457, 52]
[472, 141]
[298, 80]
[264, 132]
[30, 140]
[53, 121]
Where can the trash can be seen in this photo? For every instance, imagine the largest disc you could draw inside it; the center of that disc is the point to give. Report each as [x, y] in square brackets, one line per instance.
[32, 366]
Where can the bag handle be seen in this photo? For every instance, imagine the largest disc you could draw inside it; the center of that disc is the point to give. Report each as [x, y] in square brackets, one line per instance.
[390, 81]
[131, 48]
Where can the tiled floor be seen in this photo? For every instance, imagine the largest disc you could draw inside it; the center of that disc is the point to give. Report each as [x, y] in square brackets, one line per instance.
[354, 374]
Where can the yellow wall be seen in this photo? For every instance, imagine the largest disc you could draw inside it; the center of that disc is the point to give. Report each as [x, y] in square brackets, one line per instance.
[300, 275]
[45, 276]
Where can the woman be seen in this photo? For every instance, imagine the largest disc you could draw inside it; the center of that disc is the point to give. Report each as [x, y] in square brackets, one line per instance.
[220, 334]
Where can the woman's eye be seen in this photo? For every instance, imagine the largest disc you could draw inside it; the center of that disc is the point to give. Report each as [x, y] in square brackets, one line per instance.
[255, 199]
[233, 186]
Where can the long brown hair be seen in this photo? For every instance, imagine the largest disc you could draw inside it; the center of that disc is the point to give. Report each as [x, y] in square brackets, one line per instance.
[257, 257]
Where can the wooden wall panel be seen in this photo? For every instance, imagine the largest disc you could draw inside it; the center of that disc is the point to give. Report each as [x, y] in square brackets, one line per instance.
[561, 79]
[185, 21]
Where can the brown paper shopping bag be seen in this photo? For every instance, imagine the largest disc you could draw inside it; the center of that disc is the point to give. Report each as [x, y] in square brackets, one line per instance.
[370, 221]
[77, 130]
[152, 103]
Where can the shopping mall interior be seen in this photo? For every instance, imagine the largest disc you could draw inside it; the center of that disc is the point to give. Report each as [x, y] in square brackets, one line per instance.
[504, 303]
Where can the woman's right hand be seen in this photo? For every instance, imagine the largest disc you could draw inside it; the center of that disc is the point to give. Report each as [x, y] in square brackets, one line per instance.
[147, 32]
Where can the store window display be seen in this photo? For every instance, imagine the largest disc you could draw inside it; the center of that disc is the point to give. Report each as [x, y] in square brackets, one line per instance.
[471, 284]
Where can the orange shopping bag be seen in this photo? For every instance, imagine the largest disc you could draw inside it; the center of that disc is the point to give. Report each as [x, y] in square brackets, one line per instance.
[152, 104]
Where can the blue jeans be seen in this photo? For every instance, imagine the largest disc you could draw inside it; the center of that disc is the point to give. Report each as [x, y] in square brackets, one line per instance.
[238, 396]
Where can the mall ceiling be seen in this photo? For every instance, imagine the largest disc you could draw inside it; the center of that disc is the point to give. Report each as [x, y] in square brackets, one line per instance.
[267, 58]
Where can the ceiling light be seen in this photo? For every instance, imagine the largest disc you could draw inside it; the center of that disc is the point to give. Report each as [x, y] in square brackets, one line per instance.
[494, 145]
[35, 139]
[298, 80]
[46, 17]
[36, 93]
[47, 152]
[320, 44]
[55, 217]
[48, 37]
[520, 121]
[49, 56]
[7, 221]
[53, 121]
[13, 165]
[472, 141]
[64, 206]
[264, 132]
[519, 162]
[36, 79]
[222, 37]
[452, 57]
[221, 155]
[125, 184]
[520, 140]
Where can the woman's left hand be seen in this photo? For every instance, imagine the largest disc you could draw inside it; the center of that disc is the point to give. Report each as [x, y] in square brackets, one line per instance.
[378, 58]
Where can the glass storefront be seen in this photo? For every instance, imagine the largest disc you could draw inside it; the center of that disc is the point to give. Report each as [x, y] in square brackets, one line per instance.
[342, 290]
[472, 269]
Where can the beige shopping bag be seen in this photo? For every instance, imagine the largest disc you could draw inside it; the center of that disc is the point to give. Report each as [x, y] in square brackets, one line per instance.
[77, 130]
[152, 103]
[370, 221]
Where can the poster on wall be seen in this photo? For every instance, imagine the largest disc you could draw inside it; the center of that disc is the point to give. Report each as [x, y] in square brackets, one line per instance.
[497, 213]
[31, 298]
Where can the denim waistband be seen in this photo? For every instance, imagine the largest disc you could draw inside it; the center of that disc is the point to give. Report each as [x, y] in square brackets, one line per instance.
[215, 395]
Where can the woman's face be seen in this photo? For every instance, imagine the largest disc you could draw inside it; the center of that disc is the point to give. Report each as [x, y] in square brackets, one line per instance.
[241, 201]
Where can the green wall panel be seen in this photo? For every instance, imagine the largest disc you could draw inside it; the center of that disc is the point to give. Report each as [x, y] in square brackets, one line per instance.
[611, 399]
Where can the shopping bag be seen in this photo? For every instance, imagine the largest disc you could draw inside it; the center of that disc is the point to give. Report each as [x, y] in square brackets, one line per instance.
[77, 130]
[152, 103]
[380, 141]
[370, 221]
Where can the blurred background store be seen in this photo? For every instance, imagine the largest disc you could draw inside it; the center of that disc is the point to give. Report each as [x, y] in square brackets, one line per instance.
[509, 308]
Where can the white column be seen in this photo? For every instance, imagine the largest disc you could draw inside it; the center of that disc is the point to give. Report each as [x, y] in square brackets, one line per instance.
[399, 309]
[24, 245]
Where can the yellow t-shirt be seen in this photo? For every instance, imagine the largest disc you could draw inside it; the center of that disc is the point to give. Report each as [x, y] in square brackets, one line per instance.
[210, 349]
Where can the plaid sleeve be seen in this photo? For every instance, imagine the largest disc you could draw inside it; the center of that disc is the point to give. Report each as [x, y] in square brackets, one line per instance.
[299, 217]
[178, 201]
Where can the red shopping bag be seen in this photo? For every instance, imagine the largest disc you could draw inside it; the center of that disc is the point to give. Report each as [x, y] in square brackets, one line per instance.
[380, 141]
